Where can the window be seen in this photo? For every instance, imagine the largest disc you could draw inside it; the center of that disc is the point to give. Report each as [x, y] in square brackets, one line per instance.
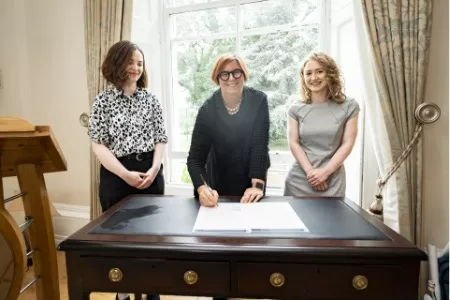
[272, 36]
[182, 39]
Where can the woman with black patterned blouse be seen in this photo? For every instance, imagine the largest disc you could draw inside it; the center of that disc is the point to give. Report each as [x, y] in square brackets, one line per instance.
[127, 130]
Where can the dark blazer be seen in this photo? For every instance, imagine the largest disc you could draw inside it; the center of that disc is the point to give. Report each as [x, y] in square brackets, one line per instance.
[230, 150]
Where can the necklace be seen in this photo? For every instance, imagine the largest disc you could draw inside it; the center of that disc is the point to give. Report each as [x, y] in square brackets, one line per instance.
[233, 111]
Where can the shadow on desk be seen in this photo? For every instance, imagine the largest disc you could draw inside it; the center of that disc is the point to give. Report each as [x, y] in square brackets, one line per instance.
[125, 216]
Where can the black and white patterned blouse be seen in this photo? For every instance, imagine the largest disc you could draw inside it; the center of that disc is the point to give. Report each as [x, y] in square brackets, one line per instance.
[127, 124]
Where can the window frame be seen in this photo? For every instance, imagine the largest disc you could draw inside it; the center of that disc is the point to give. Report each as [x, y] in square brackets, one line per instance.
[159, 32]
[276, 157]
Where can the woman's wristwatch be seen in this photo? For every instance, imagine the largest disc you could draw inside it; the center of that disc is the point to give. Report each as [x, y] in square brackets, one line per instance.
[258, 185]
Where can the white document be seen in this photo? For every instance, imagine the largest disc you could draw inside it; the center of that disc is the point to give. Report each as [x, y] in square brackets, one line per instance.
[248, 217]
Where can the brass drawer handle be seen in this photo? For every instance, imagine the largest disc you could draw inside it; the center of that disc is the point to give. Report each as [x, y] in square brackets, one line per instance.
[277, 280]
[115, 275]
[190, 277]
[360, 282]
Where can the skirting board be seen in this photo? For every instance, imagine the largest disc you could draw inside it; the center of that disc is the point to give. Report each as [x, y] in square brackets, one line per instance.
[73, 211]
[63, 227]
[59, 238]
[71, 219]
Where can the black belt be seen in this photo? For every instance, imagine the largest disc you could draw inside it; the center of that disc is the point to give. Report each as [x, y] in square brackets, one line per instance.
[138, 156]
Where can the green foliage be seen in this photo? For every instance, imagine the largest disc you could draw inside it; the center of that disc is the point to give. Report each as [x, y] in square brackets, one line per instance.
[273, 59]
[195, 66]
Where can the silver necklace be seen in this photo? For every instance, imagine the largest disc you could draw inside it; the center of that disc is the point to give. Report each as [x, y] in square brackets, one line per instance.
[233, 111]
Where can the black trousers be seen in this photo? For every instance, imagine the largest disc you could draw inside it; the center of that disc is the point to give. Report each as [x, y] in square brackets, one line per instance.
[113, 188]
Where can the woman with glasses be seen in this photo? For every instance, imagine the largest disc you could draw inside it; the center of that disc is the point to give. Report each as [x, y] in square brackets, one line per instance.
[229, 152]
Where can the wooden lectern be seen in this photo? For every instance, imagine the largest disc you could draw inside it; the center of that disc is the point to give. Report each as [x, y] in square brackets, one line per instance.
[28, 151]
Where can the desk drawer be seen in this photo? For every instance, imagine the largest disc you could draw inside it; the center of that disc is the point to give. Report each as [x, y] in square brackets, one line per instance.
[147, 275]
[323, 281]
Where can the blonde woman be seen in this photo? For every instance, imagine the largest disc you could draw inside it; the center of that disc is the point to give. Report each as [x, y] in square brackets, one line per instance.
[322, 130]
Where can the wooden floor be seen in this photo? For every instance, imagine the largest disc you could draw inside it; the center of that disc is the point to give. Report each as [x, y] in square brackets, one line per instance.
[30, 294]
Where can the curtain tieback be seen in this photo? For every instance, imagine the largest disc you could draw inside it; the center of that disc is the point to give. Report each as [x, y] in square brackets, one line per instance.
[425, 113]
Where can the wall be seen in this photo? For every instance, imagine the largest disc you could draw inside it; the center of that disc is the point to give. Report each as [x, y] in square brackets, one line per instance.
[43, 64]
[14, 89]
[435, 194]
[14, 69]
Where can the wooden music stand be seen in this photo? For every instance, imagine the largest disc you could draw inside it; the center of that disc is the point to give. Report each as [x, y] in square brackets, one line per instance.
[28, 151]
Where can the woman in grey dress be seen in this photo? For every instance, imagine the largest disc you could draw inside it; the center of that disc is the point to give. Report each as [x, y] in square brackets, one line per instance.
[322, 130]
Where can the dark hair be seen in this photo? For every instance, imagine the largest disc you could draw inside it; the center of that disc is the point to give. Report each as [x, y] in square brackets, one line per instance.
[116, 61]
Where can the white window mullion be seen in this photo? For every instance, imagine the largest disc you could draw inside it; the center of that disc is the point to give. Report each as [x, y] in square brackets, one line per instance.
[209, 5]
[239, 28]
[200, 6]
[325, 25]
[166, 57]
[218, 36]
[271, 29]
[238, 34]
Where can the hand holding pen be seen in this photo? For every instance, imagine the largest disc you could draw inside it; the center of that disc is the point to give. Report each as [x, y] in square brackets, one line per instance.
[207, 196]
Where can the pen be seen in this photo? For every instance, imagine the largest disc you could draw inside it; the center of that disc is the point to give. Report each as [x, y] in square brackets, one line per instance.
[209, 188]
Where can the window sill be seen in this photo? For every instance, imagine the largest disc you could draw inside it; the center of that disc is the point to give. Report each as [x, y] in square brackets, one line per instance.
[187, 190]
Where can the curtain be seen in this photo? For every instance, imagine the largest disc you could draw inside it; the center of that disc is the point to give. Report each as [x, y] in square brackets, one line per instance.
[396, 35]
[105, 23]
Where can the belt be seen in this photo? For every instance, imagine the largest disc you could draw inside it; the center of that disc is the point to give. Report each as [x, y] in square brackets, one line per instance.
[138, 156]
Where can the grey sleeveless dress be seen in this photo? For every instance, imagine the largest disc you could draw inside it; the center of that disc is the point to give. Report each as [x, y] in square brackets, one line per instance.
[321, 127]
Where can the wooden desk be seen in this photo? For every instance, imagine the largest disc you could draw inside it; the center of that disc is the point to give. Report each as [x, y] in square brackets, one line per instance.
[145, 244]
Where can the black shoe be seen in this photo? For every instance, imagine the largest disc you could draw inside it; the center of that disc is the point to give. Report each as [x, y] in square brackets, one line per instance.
[127, 298]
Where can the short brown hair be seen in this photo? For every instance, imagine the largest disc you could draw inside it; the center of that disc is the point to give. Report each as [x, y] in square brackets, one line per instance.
[116, 61]
[333, 74]
[225, 59]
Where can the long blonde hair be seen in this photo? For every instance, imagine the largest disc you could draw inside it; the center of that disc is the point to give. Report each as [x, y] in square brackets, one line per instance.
[333, 74]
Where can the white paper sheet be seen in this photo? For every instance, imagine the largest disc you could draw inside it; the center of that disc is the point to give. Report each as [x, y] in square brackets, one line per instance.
[247, 217]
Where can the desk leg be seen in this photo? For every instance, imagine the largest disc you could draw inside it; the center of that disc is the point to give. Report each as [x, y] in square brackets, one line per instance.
[75, 294]
[74, 280]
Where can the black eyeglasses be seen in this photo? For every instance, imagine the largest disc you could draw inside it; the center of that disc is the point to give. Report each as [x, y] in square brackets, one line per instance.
[224, 75]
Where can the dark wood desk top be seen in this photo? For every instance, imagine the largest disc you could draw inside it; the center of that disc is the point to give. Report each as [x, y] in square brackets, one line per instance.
[351, 231]
[145, 244]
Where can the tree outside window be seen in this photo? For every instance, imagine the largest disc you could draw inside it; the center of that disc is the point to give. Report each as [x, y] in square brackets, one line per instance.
[272, 36]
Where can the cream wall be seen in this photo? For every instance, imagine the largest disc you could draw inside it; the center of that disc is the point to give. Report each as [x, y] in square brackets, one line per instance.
[47, 49]
[14, 69]
[14, 90]
[435, 194]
